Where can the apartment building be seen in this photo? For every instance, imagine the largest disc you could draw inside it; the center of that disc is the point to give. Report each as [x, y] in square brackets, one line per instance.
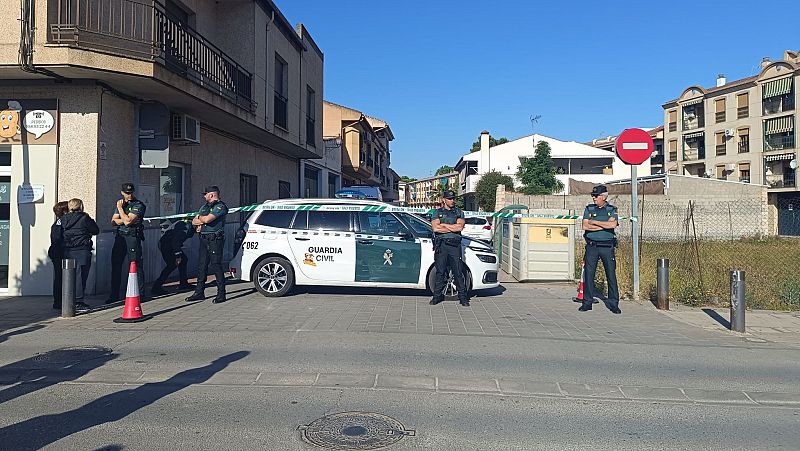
[427, 192]
[656, 160]
[170, 95]
[364, 144]
[742, 131]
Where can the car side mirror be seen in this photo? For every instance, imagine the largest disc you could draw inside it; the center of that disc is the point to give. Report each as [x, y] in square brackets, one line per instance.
[405, 234]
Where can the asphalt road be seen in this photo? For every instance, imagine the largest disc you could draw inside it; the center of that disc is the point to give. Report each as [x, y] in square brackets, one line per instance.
[155, 388]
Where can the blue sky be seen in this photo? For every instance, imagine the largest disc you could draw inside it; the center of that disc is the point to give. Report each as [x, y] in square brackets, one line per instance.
[440, 71]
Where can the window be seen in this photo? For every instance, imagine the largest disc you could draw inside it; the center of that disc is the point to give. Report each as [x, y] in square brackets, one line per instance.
[673, 150]
[311, 114]
[743, 105]
[719, 110]
[673, 120]
[281, 92]
[373, 223]
[281, 219]
[311, 181]
[744, 140]
[329, 220]
[300, 221]
[284, 190]
[721, 172]
[248, 193]
[720, 143]
[333, 182]
[744, 172]
[171, 190]
[421, 228]
[778, 95]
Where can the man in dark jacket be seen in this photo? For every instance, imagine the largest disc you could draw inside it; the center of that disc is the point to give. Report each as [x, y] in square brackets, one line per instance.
[171, 246]
[78, 229]
[56, 250]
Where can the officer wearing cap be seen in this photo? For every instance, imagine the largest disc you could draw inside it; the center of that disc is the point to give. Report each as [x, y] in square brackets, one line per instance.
[210, 223]
[128, 237]
[599, 221]
[447, 224]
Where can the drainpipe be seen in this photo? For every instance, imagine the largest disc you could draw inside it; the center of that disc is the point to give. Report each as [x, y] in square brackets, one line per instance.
[136, 150]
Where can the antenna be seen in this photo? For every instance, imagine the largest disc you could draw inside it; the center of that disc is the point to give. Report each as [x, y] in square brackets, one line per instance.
[534, 122]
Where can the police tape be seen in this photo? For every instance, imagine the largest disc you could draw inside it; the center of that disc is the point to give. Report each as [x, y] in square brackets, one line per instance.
[372, 209]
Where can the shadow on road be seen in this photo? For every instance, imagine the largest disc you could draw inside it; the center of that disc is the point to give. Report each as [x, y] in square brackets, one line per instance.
[4, 336]
[50, 368]
[383, 291]
[112, 407]
[717, 317]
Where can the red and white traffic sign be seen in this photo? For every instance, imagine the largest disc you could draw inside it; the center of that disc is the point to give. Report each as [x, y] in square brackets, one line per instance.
[634, 146]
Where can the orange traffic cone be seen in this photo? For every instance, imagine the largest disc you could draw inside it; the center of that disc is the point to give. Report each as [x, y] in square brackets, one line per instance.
[132, 313]
[579, 297]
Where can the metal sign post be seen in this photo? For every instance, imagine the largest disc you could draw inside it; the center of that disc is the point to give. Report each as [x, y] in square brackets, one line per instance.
[635, 146]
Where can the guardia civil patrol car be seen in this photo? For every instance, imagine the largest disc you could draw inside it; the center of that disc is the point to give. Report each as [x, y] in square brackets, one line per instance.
[356, 245]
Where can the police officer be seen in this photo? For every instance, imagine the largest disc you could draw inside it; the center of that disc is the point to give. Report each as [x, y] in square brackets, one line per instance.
[448, 222]
[171, 246]
[128, 237]
[599, 221]
[210, 223]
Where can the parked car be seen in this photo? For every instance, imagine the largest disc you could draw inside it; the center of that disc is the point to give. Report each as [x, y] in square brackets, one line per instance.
[284, 248]
[359, 192]
[478, 228]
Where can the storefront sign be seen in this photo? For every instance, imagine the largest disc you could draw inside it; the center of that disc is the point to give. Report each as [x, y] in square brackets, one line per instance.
[28, 121]
[28, 194]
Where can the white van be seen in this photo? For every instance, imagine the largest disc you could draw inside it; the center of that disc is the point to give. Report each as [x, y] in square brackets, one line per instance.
[283, 248]
[359, 192]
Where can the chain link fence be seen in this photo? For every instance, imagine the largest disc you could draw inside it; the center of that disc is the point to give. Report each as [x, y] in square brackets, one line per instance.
[703, 243]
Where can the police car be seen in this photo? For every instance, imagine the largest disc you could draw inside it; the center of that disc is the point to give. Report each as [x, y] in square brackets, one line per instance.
[357, 247]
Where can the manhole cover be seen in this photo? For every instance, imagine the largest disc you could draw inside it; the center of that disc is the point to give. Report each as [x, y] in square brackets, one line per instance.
[354, 430]
[64, 356]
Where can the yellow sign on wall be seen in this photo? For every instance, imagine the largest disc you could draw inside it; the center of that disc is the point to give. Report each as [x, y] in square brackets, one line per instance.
[549, 235]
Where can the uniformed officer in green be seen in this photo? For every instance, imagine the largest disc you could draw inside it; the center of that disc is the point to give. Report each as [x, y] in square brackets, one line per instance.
[210, 223]
[600, 220]
[447, 223]
[128, 237]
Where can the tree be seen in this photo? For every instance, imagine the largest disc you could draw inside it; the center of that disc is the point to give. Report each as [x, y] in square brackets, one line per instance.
[445, 169]
[476, 146]
[537, 174]
[486, 190]
[406, 179]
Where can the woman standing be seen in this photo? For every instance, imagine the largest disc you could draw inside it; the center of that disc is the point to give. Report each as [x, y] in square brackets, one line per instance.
[56, 250]
[78, 230]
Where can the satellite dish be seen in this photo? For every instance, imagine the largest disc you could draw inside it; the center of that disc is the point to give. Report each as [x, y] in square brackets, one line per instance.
[793, 164]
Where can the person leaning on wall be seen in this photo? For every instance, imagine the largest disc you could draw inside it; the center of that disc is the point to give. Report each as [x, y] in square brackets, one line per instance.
[56, 250]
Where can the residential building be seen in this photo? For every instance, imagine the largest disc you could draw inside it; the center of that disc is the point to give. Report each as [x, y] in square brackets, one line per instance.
[425, 193]
[402, 193]
[742, 130]
[170, 95]
[572, 160]
[364, 144]
[656, 160]
[323, 177]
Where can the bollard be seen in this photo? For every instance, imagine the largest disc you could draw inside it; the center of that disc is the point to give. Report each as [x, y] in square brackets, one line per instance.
[662, 283]
[737, 301]
[68, 288]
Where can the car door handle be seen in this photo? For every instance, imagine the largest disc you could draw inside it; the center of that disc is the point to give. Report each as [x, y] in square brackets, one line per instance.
[302, 239]
[365, 241]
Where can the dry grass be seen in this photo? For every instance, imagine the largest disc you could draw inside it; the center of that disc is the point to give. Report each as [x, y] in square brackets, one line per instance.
[700, 272]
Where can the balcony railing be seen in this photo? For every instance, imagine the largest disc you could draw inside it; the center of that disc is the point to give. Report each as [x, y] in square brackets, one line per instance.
[778, 143]
[673, 156]
[742, 112]
[744, 146]
[786, 180]
[719, 117]
[690, 124]
[142, 30]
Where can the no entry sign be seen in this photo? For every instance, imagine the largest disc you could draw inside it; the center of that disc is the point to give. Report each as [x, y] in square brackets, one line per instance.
[634, 146]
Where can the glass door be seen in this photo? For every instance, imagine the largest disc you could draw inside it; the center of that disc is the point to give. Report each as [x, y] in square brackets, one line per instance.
[5, 213]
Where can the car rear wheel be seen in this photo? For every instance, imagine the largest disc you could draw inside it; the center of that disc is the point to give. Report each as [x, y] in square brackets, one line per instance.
[273, 277]
[450, 290]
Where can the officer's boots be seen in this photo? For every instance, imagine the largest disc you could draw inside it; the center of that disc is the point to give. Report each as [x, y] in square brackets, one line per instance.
[220, 298]
[585, 306]
[196, 296]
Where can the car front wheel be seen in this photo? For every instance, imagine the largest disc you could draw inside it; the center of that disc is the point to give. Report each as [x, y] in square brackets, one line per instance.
[273, 277]
[450, 290]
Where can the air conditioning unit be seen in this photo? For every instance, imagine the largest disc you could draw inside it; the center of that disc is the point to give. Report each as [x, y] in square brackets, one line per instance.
[729, 132]
[185, 129]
